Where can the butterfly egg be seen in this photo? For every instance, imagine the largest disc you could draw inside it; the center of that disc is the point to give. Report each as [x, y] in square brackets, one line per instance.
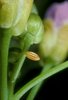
[32, 56]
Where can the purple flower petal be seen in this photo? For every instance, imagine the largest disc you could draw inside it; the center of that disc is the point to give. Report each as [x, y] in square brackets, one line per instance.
[51, 11]
[58, 12]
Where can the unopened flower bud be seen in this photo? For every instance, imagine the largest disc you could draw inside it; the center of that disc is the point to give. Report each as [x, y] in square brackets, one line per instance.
[35, 27]
[9, 10]
[54, 44]
[14, 15]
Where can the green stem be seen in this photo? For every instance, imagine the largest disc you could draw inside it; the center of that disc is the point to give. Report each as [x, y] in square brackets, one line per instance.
[11, 91]
[15, 74]
[5, 41]
[40, 78]
[35, 89]
[26, 42]
[17, 68]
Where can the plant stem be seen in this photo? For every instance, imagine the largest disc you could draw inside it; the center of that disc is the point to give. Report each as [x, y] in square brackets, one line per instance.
[35, 89]
[5, 41]
[11, 91]
[40, 78]
[26, 42]
[17, 68]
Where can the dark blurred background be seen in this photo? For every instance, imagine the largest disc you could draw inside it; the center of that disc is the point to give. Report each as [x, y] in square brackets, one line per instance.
[55, 88]
[42, 5]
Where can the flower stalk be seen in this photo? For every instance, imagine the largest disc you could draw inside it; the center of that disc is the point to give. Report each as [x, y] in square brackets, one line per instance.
[5, 41]
[40, 78]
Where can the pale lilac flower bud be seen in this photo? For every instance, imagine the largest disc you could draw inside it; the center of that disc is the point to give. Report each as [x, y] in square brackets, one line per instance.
[54, 45]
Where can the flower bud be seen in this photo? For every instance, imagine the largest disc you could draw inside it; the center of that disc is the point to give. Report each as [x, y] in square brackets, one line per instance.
[54, 44]
[9, 10]
[34, 9]
[20, 26]
[14, 15]
[35, 27]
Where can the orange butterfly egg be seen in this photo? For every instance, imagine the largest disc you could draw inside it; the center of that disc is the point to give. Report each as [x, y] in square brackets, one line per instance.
[32, 56]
